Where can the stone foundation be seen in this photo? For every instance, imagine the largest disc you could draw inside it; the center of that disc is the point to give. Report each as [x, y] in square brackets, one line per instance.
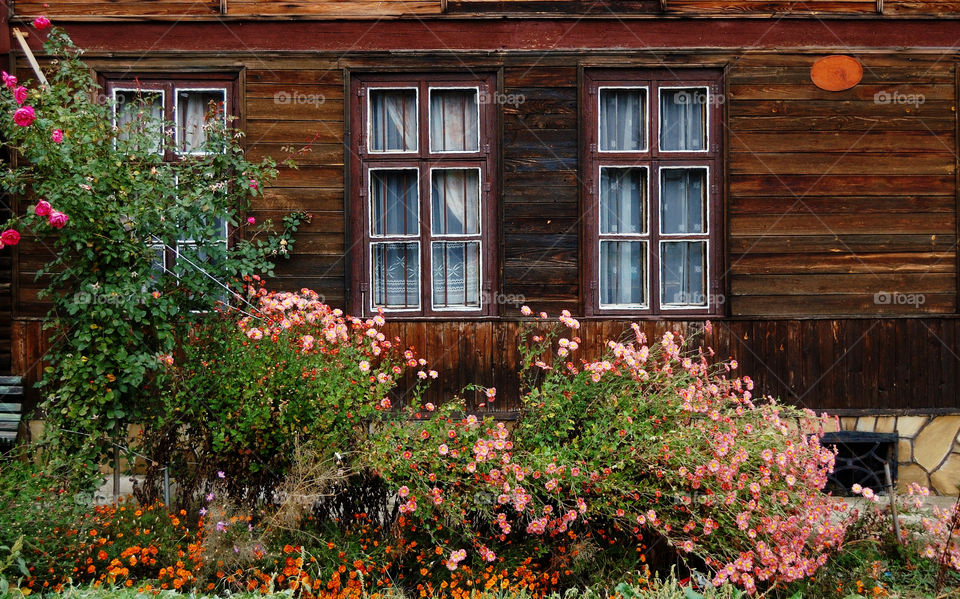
[928, 452]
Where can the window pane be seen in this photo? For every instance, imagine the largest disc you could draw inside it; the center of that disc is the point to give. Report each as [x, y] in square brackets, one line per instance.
[394, 205]
[396, 275]
[193, 107]
[683, 273]
[393, 120]
[683, 119]
[623, 120]
[454, 123]
[140, 111]
[456, 274]
[623, 273]
[683, 197]
[456, 202]
[623, 200]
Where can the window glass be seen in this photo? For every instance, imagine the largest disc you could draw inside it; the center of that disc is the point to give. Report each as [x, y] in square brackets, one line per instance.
[683, 119]
[683, 200]
[623, 120]
[455, 207]
[456, 274]
[394, 204]
[393, 120]
[454, 120]
[396, 275]
[683, 272]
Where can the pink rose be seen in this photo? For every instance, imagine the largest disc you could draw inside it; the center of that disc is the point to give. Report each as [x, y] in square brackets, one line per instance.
[20, 95]
[24, 116]
[254, 185]
[41, 22]
[251, 220]
[10, 237]
[57, 136]
[42, 208]
[58, 220]
[9, 80]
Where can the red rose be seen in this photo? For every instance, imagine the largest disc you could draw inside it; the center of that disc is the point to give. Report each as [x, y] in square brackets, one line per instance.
[42, 208]
[10, 237]
[41, 22]
[24, 116]
[58, 220]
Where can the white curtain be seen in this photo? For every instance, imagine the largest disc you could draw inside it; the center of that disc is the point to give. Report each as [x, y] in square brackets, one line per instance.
[683, 272]
[623, 272]
[623, 200]
[393, 120]
[683, 119]
[622, 120]
[192, 110]
[140, 110]
[396, 275]
[456, 274]
[683, 200]
[394, 203]
[455, 207]
[454, 125]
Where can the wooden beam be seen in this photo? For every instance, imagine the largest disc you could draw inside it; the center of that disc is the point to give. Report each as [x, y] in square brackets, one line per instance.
[22, 38]
[879, 7]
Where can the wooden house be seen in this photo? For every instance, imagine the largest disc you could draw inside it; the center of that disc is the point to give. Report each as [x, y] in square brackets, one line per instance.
[668, 161]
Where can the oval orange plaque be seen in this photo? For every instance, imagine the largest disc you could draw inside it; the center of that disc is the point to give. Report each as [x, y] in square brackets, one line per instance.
[836, 73]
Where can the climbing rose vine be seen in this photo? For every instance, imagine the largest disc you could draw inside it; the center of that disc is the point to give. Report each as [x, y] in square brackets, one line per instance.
[104, 212]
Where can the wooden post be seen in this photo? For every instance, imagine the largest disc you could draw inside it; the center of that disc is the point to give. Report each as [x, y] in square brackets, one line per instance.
[22, 38]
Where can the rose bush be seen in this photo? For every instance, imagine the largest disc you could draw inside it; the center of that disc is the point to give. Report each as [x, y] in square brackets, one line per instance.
[105, 207]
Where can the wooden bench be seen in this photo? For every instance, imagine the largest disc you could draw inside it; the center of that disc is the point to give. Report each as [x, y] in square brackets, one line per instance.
[11, 410]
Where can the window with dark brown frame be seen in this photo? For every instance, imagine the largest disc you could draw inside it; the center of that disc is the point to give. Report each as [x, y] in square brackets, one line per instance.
[186, 103]
[651, 183]
[423, 199]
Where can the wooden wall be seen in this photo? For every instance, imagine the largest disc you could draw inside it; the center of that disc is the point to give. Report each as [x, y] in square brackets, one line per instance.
[397, 8]
[831, 198]
[841, 366]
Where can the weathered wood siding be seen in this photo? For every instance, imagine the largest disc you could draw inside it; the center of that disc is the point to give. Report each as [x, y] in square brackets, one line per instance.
[398, 8]
[841, 366]
[830, 199]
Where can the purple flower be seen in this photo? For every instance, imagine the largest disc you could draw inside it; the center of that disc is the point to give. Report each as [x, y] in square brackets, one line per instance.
[220, 474]
[210, 497]
[221, 526]
[203, 511]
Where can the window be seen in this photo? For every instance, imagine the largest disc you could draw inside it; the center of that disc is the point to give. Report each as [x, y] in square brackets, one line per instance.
[651, 183]
[186, 104]
[422, 183]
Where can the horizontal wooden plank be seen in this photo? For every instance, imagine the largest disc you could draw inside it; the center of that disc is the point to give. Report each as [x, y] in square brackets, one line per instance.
[766, 68]
[294, 133]
[847, 163]
[842, 262]
[811, 108]
[889, 205]
[851, 185]
[877, 140]
[351, 8]
[826, 305]
[843, 284]
[57, 8]
[772, 6]
[305, 107]
[797, 225]
[941, 123]
[877, 92]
